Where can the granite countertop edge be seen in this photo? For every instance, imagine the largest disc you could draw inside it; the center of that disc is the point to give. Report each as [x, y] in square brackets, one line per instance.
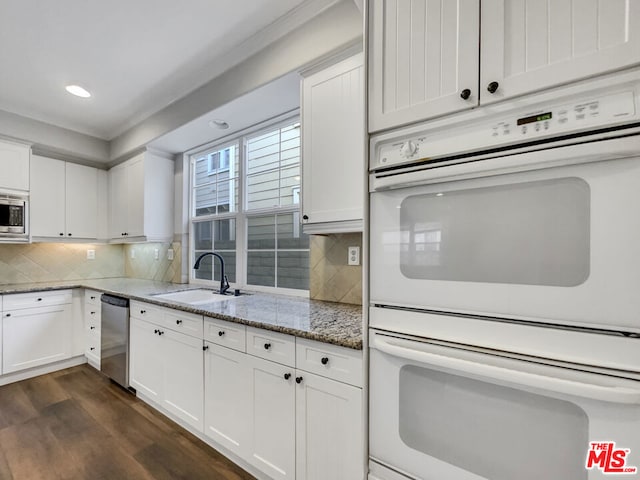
[352, 342]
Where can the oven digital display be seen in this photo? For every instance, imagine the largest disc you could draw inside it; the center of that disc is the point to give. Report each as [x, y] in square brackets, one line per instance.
[535, 118]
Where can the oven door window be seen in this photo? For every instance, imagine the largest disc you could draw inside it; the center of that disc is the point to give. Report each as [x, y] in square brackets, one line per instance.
[533, 233]
[11, 216]
[492, 431]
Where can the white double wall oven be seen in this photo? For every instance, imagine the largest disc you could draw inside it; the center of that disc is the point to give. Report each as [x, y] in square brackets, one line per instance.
[505, 280]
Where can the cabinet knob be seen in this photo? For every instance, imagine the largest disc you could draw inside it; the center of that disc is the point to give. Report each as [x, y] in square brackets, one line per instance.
[93, 298]
[324, 360]
[8, 315]
[69, 234]
[205, 348]
[493, 87]
[156, 331]
[305, 217]
[39, 299]
[61, 234]
[92, 313]
[142, 312]
[298, 379]
[178, 322]
[267, 346]
[220, 333]
[92, 348]
[287, 376]
[160, 332]
[92, 327]
[465, 94]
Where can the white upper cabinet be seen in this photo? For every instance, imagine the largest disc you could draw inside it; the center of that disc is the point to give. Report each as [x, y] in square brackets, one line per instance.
[14, 165]
[423, 59]
[532, 45]
[141, 199]
[429, 58]
[333, 147]
[67, 200]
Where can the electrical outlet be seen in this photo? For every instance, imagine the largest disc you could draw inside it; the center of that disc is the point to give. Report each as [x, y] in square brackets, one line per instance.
[354, 256]
[91, 254]
[133, 253]
[170, 254]
[156, 254]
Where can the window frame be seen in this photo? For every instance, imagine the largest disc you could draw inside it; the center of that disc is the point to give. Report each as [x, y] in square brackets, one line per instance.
[242, 215]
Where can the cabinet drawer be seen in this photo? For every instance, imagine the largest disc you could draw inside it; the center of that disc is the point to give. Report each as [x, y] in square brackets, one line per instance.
[227, 334]
[183, 322]
[92, 297]
[273, 346]
[92, 314]
[145, 311]
[338, 363]
[36, 299]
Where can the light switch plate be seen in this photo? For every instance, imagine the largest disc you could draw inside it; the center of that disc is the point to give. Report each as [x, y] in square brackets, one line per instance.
[354, 256]
[156, 254]
[91, 254]
[170, 254]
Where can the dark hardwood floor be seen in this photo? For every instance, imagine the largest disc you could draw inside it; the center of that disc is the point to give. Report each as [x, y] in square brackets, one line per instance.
[76, 424]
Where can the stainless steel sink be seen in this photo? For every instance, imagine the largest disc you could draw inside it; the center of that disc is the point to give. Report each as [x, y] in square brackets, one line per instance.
[194, 297]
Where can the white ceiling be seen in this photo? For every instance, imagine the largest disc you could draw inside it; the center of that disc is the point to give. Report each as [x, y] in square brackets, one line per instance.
[136, 57]
[280, 96]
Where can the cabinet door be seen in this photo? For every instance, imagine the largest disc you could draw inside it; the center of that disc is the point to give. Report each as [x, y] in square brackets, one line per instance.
[183, 384]
[227, 398]
[333, 143]
[14, 165]
[81, 201]
[36, 336]
[47, 209]
[330, 434]
[135, 189]
[118, 201]
[423, 54]
[146, 359]
[272, 415]
[528, 46]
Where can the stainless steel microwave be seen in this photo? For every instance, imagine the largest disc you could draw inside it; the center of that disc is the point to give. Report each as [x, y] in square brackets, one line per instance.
[14, 218]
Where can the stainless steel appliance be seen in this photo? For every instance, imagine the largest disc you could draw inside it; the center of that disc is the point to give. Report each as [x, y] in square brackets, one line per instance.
[114, 352]
[14, 218]
[504, 319]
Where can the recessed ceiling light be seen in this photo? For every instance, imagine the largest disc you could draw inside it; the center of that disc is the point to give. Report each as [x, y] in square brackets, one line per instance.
[220, 124]
[77, 90]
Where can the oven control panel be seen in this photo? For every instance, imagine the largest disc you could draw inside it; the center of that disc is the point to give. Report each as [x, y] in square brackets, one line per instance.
[514, 124]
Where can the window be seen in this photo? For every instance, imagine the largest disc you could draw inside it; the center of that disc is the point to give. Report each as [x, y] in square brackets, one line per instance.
[246, 207]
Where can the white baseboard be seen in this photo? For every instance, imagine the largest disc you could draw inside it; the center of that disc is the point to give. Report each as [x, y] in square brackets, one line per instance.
[37, 371]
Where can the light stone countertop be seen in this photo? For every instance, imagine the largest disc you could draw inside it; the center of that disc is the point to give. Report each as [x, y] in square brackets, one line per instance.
[328, 322]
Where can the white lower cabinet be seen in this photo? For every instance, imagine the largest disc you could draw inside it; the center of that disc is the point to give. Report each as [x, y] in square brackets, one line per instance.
[167, 368]
[329, 429]
[36, 336]
[272, 415]
[92, 327]
[226, 393]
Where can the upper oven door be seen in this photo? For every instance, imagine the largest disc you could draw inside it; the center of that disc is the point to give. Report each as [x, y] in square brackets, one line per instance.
[548, 236]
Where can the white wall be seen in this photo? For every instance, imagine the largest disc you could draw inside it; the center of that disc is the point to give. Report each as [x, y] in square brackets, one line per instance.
[331, 31]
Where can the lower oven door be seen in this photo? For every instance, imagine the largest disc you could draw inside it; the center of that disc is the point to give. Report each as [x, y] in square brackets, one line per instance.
[440, 412]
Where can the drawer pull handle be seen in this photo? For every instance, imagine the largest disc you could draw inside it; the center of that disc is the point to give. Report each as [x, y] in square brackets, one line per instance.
[8, 315]
[267, 346]
[142, 312]
[298, 380]
[178, 322]
[93, 313]
[287, 376]
[220, 333]
[92, 327]
[92, 348]
[324, 360]
[205, 348]
[39, 299]
[93, 298]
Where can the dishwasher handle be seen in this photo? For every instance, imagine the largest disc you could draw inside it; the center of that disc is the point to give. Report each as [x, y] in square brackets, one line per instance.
[402, 348]
[113, 300]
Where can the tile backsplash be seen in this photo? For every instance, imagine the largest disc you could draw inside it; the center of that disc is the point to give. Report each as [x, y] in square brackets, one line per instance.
[45, 262]
[331, 278]
[140, 261]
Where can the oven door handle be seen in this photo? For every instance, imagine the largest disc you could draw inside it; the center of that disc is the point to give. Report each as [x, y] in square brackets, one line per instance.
[605, 393]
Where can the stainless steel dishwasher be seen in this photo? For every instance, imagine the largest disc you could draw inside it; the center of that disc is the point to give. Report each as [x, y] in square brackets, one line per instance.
[114, 347]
